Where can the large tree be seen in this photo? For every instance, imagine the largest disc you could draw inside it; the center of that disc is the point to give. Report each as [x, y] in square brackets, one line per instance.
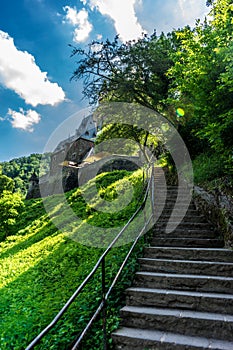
[126, 72]
[131, 72]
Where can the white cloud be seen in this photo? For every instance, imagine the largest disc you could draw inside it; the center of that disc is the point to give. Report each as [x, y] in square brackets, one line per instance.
[192, 9]
[80, 21]
[168, 15]
[24, 119]
[20, 73]
[123, 15]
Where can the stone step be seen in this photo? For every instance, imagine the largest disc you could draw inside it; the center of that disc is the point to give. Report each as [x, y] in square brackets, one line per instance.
[203, 324]
[170, 188]
[182, 253]
[142, 339]
[187, 266]
[185, 284]
[186, 219]
[185, 300]
[192, 253]
[169, 211]
[171, 204]
[203, 283]
[172, 198]
[188, 242]
[185, 225]
[181, 233]
[161, 197]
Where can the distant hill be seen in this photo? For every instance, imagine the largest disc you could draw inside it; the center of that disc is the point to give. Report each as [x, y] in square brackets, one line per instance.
[21, 169]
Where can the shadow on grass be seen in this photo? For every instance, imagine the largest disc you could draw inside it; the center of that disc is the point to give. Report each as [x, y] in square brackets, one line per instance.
[31, 301]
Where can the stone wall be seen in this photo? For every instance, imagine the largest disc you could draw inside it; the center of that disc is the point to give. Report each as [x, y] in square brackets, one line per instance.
[73, 177]
[113, 162]
[218, 209]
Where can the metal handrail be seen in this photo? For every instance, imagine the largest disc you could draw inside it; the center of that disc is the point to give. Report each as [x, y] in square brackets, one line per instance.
[101, 262]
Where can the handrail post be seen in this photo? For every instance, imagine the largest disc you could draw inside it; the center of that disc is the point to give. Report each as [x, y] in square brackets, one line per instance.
[153, 192]
[104, 313]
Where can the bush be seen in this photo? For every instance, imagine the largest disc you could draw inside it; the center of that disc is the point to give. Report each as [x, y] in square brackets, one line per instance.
[208, 167]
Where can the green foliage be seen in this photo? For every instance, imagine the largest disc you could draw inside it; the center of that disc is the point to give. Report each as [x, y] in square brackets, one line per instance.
[202, 80]
[21, 169]
[6, 184]
[41, 268]
[10, 205]
[190, 68]
[208, 167]
[129, 72]
[129, 139]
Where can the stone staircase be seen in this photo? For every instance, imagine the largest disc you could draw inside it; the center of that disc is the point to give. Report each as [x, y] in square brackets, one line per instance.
[182, 296]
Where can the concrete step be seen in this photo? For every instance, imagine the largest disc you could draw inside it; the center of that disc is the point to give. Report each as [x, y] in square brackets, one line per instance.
[141, 339]
[204, 324]
[172, 198]
[171, 204]
[185, 233]
[182, 253]
[203, 283]
[188, 242]
[187, 219]
[169, 211]
[179, 299]
[170, 188]
[186, 266]
[185, 225]
[160, 196]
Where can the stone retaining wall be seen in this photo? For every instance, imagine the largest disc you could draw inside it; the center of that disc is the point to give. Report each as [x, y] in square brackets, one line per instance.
[218, 209]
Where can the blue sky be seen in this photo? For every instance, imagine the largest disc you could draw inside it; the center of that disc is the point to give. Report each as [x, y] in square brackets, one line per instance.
[36, 94]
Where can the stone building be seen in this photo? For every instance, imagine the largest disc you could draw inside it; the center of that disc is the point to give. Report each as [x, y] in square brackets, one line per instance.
[66, 157]
[71, 154]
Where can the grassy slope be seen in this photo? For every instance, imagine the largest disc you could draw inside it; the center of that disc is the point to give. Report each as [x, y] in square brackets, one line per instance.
[41, 268]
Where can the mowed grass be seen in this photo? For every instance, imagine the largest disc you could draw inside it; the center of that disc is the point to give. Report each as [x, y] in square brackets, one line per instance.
[41, 267]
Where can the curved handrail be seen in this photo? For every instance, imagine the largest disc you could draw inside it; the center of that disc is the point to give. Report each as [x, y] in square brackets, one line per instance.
[101, 261]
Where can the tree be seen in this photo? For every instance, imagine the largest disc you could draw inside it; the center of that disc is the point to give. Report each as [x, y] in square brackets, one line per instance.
[130, 72]
[6, 184]
[202, 77]
[126, 72]
[21, 169]
[10, 205]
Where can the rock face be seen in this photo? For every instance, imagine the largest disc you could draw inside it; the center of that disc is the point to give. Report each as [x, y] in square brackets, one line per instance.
[182, 296]
[218, 209]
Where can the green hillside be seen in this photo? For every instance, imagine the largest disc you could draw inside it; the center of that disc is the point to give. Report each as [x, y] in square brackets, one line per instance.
[21, 169]
[41, 268]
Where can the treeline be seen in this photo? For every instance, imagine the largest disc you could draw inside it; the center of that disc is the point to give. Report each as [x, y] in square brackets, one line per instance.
[21, 169]
[188, 70]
